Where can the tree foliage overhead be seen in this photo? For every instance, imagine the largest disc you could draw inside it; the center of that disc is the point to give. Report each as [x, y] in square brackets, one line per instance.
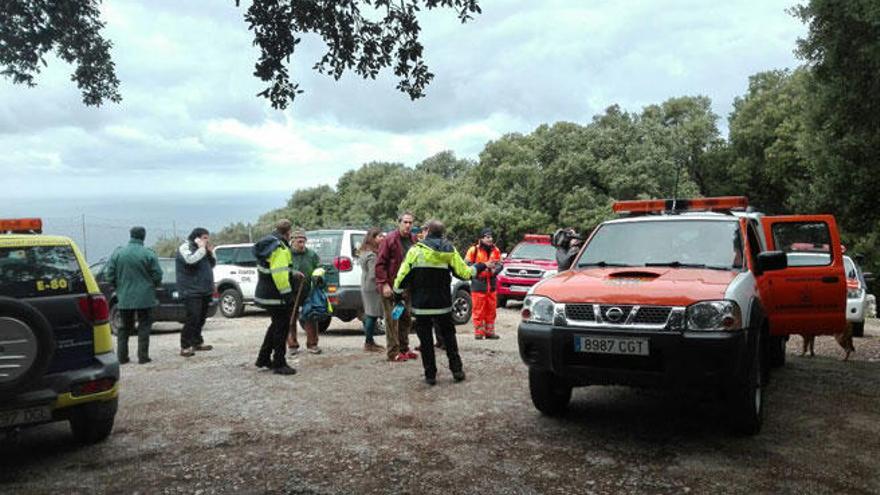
[29, 29]
[363, 36]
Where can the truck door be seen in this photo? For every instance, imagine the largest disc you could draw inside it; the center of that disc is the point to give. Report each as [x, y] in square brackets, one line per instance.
[809, 296]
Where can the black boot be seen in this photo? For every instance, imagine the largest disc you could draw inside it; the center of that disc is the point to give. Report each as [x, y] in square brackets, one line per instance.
[284, 370]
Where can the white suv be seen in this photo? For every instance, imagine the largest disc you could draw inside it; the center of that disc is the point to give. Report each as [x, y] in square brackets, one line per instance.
[236, 277]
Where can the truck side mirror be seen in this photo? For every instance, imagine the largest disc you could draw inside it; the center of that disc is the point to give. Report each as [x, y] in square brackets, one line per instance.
[771, 260]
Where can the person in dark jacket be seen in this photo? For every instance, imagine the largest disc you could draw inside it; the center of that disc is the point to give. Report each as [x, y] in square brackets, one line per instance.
[276, 292]
[391, 254]
[135, 273]
[305, 261]
[195, 283]
[426, 273]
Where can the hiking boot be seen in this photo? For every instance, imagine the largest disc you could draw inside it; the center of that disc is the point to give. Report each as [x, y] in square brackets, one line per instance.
[373, 347]
[144, 360]
[438, 345]
[479, 336]
[411, 355]
[492, 336]
[124, 360]
[314, 350]
[203, 347]
[458, 376]
[187, 352]
[430, 380]
[263, 363]
[284, 370]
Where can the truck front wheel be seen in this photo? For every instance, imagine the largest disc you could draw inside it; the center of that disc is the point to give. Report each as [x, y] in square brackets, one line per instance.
[550, 394]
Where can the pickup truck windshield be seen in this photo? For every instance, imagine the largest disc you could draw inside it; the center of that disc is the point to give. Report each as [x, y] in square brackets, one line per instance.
[675, 243]
[533, 251]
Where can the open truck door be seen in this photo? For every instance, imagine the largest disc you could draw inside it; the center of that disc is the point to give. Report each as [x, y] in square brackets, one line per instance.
[808, 296]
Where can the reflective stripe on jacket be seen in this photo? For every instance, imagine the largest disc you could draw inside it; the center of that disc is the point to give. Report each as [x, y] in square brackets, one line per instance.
[274, 272]
[426, 272]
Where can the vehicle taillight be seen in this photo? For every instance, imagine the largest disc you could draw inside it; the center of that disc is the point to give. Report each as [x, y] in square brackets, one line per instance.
[94, 307]
[93, 387]
[342, 263]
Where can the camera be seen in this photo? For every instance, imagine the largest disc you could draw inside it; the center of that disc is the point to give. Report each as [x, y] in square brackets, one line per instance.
[562, 238]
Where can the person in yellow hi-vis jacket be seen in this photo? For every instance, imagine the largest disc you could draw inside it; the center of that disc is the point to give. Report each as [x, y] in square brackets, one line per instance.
[277, 283]
[425, 271]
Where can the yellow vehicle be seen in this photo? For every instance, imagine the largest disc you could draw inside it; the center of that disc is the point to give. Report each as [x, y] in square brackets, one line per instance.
[56, 354]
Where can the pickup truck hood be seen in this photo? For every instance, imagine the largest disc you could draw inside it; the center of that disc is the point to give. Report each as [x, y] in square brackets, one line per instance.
[637, 285]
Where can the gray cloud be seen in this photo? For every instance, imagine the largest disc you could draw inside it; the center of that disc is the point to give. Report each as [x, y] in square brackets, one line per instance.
[190, 117]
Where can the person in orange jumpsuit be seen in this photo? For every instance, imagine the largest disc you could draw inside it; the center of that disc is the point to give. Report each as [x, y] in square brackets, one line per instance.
[484, 287]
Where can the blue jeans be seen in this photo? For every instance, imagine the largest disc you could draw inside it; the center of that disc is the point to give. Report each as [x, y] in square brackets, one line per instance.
[370, 327]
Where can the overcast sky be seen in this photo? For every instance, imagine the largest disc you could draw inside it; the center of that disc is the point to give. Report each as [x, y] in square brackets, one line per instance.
[190, 120]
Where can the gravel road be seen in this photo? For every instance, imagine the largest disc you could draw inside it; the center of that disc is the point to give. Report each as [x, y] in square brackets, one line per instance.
[349, 422]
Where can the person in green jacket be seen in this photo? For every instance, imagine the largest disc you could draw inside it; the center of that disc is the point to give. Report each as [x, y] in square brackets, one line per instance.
[134, 272]
[303, 260]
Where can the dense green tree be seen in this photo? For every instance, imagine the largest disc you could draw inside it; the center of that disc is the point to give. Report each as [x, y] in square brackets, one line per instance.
[362, 36]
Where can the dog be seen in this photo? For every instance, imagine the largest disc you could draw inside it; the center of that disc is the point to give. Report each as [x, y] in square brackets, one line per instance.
[844, 339]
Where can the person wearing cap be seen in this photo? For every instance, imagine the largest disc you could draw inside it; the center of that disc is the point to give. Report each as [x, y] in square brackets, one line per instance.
[135, 273]
[303, 260]
[277, 285]
[484, 288]
[425, 272]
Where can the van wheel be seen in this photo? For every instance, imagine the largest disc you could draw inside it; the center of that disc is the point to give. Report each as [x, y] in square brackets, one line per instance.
[231, 304]
[461, 307]
[858, 329]
[550, 394]
[747, 398]
[93, 422]
[29, 347]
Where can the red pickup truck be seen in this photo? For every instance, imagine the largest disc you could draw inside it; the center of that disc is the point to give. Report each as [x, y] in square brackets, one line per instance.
[529, 262]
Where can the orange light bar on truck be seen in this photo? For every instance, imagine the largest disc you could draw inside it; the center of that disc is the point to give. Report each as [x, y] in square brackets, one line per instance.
[722, 203]
[21, 225]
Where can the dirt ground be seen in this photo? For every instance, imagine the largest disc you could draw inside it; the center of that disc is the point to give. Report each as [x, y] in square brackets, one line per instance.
[349, 422]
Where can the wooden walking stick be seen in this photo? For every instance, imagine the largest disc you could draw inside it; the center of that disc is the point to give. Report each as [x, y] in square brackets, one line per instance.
[292, 325]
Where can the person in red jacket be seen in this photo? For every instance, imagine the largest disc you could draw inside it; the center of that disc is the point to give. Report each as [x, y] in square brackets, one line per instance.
[484, 287]
[391, 253]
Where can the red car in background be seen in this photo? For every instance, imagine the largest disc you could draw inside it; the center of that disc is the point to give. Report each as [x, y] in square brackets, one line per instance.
[529, 262]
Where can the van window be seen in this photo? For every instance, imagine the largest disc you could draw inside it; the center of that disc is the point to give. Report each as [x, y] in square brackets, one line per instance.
[244, 256]
[169, 270]
[224, 256]
[38, 271]
[356, 241]
[325, 242]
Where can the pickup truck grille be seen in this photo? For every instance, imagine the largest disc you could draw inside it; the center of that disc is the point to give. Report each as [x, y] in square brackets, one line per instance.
[619, 314]
[523, 272]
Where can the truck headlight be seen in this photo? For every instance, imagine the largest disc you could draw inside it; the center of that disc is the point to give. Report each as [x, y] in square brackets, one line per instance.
[714, 315]
[854, 293]
[538, 309]
[549, 273]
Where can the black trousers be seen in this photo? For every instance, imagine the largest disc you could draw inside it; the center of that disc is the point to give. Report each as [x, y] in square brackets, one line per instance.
[274, 343]
[446, 330]
[144, 325]
[196, 314]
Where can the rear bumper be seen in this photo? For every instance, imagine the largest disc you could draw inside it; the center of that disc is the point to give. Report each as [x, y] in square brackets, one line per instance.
[675, 360]
[56, 390]
[855, 309]
[347, 299]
